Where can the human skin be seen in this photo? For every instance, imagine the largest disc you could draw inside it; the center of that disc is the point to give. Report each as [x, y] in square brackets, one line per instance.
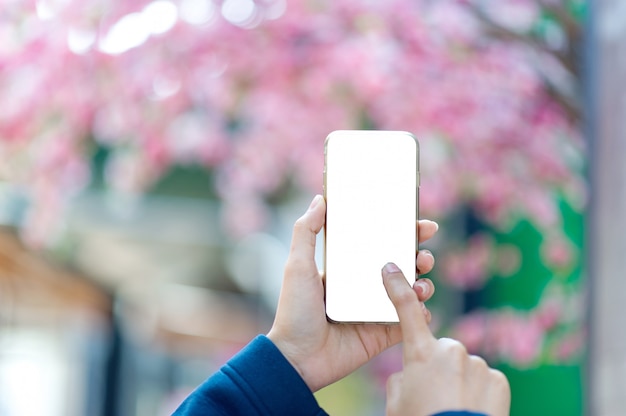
[323, 352]
[438, 374]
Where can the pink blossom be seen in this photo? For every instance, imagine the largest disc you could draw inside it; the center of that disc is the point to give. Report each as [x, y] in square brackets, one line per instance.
[254, 101]
[570, 345]
[469, 268]
[550, 313]
[508, 259]
[558, 251]
[520, 340]
[505, 335]
[472, 331]
[518, 15]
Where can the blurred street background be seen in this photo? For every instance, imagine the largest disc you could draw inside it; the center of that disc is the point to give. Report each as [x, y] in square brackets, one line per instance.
[155, 154]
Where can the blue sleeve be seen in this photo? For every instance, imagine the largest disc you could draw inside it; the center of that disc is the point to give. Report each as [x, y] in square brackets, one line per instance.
[257, 381]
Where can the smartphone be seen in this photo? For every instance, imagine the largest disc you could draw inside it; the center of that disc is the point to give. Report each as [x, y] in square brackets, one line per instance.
[371, 187]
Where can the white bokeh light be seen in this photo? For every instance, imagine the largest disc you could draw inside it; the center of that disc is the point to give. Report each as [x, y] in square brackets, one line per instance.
[239, 12]
[80, 41]
[45, 10]
[31, 362]
[134, 29]
[160, 16]
[164, 87]
[129, 32]
[49, 9]
[197, 12]
[275, 10]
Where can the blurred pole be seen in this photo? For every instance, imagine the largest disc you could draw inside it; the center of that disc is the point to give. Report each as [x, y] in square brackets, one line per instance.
[113, 370]
[606, 96]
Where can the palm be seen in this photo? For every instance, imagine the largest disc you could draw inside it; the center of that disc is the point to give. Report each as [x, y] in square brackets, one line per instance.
[336, 350]
[357, 344]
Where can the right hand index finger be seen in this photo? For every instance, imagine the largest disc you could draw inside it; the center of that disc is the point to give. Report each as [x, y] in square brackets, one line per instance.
[416, 335]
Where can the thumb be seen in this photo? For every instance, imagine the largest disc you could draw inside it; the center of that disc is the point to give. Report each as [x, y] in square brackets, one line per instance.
[305, 231]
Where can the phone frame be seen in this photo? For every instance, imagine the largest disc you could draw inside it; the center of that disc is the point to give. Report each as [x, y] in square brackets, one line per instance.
[410, 274]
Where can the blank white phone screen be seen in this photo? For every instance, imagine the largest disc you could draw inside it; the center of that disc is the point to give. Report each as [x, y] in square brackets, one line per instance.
[371, 188]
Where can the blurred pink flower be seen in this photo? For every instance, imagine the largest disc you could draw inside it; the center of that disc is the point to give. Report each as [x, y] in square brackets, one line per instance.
[472, 331]
[550, 313]
[523, 338]
[470, 267]
[254, 100]
[570, 345]
[504, 336]
[520, 339]
[508, 259]
[557, 250]
[518, 15]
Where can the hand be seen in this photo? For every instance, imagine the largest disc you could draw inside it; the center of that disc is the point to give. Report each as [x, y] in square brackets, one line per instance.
[320, 351]
[438, 375]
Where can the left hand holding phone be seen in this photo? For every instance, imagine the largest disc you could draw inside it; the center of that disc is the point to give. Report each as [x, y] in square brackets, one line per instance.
[320, 351]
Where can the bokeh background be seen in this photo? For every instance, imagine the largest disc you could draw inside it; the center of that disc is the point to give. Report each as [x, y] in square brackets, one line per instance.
[155, 154]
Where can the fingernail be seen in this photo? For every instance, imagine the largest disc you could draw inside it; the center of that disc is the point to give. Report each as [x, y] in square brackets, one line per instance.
[427, 252]
[391, 268]
[430, 221]
[422, 288]
[315, 202]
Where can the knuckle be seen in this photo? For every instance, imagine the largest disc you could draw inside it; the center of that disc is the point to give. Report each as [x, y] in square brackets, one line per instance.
[295, 265]
[300, 221]
[428, 315]
[304, 232]
[454, 352]
[300, 226]
[453, 346]
[479, 362]
[500, 381]
[404, 296]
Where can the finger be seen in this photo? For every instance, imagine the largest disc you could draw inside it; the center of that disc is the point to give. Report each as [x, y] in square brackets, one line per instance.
[478, 364]
[424, 288]
[424, 262]
[501, 383]
[305, 231]
[498, 381]
[415, 332]
[499, 396]
[454, 351]
[426, 229]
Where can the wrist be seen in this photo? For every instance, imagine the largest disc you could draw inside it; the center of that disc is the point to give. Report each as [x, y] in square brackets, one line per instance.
[288, 351]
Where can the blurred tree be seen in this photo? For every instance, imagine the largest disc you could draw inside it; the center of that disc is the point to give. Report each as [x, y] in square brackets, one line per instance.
[250, 90]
